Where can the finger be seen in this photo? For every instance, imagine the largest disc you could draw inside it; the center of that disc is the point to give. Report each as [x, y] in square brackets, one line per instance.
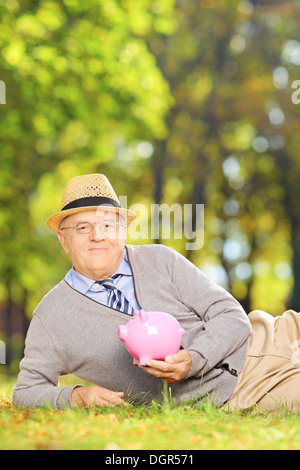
[150, 370]
[109, 396]
[171, 359]
[159, 365]
[98, 401]
[181, 356]
[163, 373]
[116, 398]
[112, 402]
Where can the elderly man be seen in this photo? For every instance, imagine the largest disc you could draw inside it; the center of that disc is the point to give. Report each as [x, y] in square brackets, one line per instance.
[74, 328]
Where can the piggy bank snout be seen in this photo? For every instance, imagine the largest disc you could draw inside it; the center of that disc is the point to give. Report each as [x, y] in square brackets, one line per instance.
[122, 332]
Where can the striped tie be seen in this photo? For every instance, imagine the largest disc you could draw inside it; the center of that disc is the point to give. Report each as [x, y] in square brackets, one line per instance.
[116, 299]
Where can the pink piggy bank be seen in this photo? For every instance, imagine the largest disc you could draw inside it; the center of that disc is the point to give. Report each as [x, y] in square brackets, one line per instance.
[151, 335]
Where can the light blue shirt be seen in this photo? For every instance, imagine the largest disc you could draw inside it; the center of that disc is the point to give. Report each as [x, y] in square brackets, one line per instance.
[95, 291]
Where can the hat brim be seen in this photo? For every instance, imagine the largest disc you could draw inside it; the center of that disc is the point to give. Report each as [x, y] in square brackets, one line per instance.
[55, 220]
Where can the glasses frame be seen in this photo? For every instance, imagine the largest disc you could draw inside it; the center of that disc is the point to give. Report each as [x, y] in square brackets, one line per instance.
[92, 224]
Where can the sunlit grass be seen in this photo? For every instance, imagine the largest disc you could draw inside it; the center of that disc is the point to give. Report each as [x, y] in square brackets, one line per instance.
[165, 427]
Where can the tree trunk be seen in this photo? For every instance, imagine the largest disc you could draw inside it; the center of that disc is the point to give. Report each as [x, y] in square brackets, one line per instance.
[295, 297]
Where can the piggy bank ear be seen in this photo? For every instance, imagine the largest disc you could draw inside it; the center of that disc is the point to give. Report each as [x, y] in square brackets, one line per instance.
[144, 315]
[135, 312]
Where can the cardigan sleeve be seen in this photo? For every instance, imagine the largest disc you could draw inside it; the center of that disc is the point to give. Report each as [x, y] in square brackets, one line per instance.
[225, 328]
[37, 383]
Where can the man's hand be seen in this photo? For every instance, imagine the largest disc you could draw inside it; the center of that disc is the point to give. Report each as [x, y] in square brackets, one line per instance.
[93, 395]
[174, 368]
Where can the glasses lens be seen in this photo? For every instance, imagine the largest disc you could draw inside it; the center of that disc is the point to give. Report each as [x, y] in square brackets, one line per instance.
[83, 227]
[109, 225]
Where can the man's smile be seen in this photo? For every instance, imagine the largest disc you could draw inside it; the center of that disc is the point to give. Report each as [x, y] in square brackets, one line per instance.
[98, 248]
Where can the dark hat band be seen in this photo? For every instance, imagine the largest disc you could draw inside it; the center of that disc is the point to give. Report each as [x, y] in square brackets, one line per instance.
[91, 201]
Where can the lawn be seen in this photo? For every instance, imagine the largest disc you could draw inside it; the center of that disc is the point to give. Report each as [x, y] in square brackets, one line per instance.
[139, 428]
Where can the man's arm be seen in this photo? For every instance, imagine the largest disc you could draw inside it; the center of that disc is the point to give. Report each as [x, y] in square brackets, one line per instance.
[224, 328]
[37, 383]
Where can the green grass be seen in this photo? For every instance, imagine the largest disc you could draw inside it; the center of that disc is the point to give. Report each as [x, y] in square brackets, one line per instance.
[164, 427]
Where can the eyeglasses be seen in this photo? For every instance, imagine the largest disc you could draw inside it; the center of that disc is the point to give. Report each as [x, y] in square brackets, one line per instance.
[106, 226]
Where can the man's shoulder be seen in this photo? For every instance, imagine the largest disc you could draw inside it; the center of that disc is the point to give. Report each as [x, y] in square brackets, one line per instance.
[55, 299]
[151, 250]
[156, 256]
[156, 253]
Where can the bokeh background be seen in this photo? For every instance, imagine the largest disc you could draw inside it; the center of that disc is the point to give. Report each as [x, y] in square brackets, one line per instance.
[176, 101]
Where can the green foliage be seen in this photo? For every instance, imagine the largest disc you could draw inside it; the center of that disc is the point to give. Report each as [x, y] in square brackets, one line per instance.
[232, 143]
[178, 103]
[81, 83]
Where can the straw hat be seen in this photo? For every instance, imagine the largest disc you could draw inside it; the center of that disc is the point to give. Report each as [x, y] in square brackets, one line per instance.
[86, 193]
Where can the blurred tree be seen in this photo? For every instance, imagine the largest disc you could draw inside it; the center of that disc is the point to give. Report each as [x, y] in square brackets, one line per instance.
[80, 84]
[232, 142]
[84, 93]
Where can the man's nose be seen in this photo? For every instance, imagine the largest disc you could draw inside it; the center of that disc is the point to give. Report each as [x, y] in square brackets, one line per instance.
[97, 233]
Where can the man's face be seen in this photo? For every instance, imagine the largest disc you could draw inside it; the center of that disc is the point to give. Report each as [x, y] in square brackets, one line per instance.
[96, 254]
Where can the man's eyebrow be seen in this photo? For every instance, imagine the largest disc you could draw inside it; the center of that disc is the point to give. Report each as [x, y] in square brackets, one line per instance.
[107, 219]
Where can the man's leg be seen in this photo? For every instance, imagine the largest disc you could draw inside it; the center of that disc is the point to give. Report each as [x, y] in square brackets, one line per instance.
[271, 374]
[284, 395]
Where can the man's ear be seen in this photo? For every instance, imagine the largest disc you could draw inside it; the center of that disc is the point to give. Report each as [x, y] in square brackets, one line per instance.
[62, 240]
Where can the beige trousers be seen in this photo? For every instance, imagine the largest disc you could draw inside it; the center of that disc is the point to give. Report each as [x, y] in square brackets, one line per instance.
[270, 378]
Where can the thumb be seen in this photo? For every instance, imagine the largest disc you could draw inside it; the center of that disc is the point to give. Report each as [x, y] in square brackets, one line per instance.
[180, 356]
[172, 358]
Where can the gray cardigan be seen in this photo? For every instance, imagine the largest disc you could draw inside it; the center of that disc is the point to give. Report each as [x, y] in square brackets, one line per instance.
[70, 333]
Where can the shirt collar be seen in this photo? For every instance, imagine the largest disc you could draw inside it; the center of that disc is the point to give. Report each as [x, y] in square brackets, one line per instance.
[124, 267]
